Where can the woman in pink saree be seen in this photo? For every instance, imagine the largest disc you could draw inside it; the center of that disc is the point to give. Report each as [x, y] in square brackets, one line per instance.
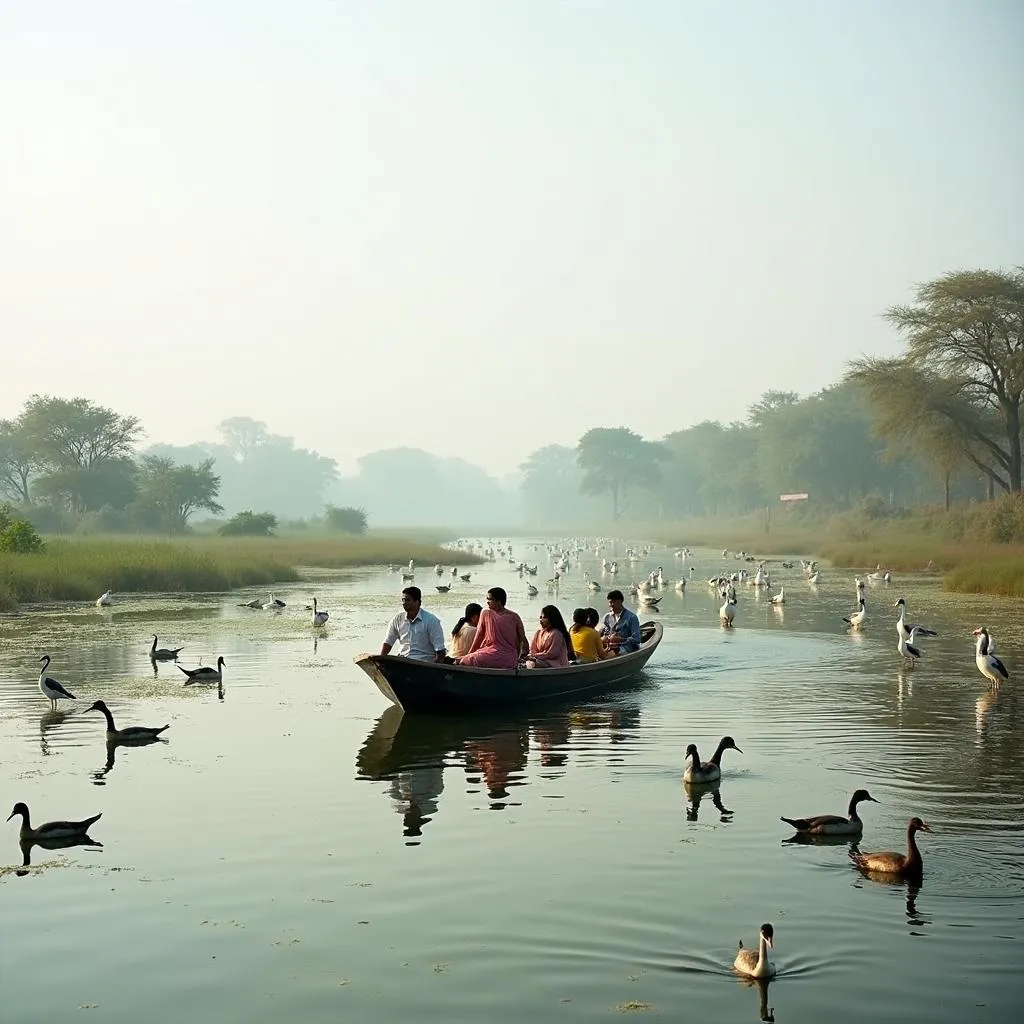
[551, 646]
[500, 639]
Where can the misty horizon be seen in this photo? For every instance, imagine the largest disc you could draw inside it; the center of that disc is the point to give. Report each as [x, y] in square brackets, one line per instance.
[479, 230]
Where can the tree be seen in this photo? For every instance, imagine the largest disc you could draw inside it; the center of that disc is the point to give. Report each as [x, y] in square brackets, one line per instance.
[347, 520]
[243, 435]
[76, 433]
[614, 460]
[18, 461]
[967, 328]
[77, 489]
[16, 534]
[250, 524]
[170, 494]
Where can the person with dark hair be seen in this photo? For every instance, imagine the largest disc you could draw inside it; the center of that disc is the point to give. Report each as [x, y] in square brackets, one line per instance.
[551, 646]
[621, 627]
[586, 641]
[593, 617]
[465, 630]
[500, 638]
[418, 633]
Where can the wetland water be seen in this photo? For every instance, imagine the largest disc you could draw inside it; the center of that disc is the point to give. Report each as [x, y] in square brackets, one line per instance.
[295, 850]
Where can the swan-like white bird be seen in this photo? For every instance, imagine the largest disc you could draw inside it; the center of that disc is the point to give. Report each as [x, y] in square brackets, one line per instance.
[988, 664]
[906, 628]
[50, 688]
[320, 618]
[780, 597]
[856, 619]
[907, 649]
[105, 600]
[757, 965]
[275, 604]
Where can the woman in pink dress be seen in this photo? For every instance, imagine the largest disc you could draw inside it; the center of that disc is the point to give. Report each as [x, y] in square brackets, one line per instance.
[551, 643]
[500, 638]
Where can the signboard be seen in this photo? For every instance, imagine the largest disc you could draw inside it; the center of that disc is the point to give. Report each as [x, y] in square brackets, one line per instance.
[793, 497]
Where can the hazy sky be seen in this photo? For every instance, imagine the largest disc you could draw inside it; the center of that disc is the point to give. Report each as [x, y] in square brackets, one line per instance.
[478, 227]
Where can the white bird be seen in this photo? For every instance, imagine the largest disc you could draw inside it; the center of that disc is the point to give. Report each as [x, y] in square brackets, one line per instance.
[728, 611]
[757, 965]
[780, 597]
[50, 688]
[856, 619]
[984, 657]
[319, 618]
[681, 586]
[814, 579]
[275, 604]
[905, 628]
[205, 674]
[105, 600]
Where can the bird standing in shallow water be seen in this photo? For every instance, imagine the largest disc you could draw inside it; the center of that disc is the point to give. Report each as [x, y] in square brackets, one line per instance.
[50, 688]
[757, 965]
[833, 824]
[984, 657]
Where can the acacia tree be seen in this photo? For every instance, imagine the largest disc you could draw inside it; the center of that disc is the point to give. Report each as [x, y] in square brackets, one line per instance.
[18, 461]
[967, 331]
[170, 494]
[614, 460]
[243, 435]
[76, 433]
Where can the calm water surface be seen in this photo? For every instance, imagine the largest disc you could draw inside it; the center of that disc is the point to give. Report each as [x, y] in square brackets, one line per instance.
[296, 850]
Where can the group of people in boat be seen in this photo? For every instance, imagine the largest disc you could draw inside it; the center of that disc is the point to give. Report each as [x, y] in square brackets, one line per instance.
[495, 637]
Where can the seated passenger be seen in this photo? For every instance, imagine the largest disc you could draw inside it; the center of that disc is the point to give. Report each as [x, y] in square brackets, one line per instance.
[621, 627]
[585, 639]
[465, 630]
[500, 638]
[551, 644]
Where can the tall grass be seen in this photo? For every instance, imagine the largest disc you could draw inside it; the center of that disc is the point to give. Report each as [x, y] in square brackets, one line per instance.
[81, 569]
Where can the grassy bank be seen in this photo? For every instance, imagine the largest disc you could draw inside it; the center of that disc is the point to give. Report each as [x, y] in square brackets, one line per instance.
[80, 570]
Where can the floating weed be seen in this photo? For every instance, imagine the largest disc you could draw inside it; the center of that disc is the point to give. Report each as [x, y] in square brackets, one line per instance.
[632, 1006]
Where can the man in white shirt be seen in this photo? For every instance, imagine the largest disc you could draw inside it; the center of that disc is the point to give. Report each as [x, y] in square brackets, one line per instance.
[418, 633]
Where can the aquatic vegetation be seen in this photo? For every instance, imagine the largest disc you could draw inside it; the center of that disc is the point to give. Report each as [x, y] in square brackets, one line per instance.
[73, 569]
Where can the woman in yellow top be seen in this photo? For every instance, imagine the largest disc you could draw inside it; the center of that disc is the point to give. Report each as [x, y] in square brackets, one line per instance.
[465, 630]
[586, 641]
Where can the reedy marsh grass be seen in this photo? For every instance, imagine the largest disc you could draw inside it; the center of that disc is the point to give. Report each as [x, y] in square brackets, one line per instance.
[73, 569]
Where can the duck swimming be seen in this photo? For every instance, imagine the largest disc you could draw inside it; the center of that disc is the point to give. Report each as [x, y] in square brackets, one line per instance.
[52, 829]
[898, 865]
[707, 771]
[757, 965]
[131, 734]
[205, 674]
[833, 824]
[164, 653]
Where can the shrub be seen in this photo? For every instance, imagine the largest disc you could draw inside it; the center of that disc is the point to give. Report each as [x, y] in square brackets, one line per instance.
[17, 535]
[348, 520]
[250, 524]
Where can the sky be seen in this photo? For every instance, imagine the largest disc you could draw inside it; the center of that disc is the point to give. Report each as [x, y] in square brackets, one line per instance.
[477, 227]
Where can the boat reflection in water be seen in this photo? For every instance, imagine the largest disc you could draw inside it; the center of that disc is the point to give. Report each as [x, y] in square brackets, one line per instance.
[493, 753]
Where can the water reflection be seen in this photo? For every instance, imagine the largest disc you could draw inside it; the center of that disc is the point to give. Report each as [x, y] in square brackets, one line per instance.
[764, 1011]
[412, 752]
[59, 843]
[48, 722]
[99, 775]
[696, 792]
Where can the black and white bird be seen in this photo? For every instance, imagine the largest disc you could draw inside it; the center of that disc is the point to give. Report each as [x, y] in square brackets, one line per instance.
[984, 656]
[164, 653]
[205, 674]
[319, 618]
[905, 628]
[50, 688]
[857, 618]
[275, 604]
[905, 645]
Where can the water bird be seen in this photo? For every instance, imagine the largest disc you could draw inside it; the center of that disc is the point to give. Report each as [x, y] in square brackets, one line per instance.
[907, 628]
[52, 829]
[988, 664]
[906, 648]
[465, 577]
[443, 589]
[256, 602]
[898, 865]
[833, 824]
[727, 613]
[649, 600]
[780, 597]
[319, 618]
[164, 653]
[130, 734]
[855, 620]
[757, 965]
[205, 674]
[531, 590]
[105, 600]
[814, 579]
[50, 688]
[707, 771]
[275, 604]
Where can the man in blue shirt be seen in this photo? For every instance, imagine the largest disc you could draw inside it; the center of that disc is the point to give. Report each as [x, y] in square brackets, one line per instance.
[621, 627]
[418, 633]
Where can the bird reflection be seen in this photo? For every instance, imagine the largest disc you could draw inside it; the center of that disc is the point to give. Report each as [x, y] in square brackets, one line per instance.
[813, 839]
[48, 721]
[696, 792]
[765, 1012]
[52, 843]
[984, 710]
[100, 774]
[905, 688]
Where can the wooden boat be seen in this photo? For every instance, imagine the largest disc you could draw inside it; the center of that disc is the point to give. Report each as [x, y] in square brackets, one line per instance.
[435, 687]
